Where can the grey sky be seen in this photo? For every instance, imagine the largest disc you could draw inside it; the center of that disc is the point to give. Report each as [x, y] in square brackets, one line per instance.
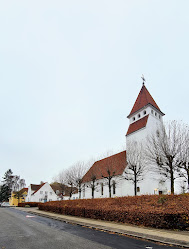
[70, 73]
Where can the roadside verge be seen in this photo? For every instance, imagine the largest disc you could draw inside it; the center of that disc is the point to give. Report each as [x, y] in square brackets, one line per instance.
[176, 238]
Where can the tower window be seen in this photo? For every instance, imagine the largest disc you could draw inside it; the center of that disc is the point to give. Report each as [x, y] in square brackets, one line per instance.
[155, 113]
[159, 116]
[138, 115]
[152, 111]
[133, 118]
[144, 112]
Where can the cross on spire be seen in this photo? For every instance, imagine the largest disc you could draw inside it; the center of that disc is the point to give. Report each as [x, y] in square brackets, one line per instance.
[143, 79]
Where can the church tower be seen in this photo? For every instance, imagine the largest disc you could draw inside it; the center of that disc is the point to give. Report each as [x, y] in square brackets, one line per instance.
[144, 117]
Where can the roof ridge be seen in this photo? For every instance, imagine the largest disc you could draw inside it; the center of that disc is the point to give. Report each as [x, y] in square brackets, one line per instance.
[109, 156]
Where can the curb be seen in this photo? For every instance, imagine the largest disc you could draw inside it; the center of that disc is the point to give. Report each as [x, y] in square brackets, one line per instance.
[149, 237]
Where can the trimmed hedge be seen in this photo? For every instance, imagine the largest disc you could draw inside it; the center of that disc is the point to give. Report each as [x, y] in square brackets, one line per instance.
[31, 204]
[165, 211]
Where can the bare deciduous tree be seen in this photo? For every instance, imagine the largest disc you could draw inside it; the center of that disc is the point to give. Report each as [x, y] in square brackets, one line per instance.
[71, 178]
[183, 164]
[112, 165]
[136, 165]
[92, 175]
[89, 176]
[76, 173]
[164, 149]
[183, 188]
[60, 179]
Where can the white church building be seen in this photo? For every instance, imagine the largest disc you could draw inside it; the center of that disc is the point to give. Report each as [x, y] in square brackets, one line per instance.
[144, 119]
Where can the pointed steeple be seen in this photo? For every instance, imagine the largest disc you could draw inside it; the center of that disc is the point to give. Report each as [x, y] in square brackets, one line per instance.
[144, 98]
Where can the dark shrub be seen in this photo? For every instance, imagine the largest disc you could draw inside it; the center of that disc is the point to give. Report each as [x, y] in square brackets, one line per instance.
[167, 211]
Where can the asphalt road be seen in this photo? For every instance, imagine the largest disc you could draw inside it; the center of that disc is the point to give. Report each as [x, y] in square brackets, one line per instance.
[21, 230]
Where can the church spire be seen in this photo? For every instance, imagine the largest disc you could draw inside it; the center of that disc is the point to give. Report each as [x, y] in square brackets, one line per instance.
[143, 79]
[144, 98]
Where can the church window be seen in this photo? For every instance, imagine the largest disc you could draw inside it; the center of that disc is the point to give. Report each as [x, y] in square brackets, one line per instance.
[152, 111]
[144, 112]
[139, 115]
[133, 118]
[155, 113]
[114, 188]
[102, 189]
[159, 116]
[138, 189]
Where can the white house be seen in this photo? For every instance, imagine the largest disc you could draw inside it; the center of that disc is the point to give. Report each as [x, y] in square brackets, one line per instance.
[41, 193]
[144, 118]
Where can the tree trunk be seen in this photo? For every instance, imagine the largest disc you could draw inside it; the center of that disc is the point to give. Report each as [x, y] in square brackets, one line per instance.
[109, 185]
[135, 184]
[79, 191]
[188, 180]
[93, 188]
[172, 182]
[92, 192]
[71, 190]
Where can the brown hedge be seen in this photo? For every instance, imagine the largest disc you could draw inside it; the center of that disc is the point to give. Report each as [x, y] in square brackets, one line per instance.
[165, 211]
[31, 204]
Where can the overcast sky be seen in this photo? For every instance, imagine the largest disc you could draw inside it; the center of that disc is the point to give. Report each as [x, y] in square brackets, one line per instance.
[70, 72]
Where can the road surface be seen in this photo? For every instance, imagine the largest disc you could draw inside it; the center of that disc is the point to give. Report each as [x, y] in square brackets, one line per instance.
[21, 230]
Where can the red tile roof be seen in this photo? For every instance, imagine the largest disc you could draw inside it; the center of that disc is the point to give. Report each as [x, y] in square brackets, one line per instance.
[139, 124]
[34, 187]
[23, 190]
[115, 164]
[63, 189]
[39, 186]
[144, 98]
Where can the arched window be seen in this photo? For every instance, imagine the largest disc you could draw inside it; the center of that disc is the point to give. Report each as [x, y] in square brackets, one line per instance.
[133, 118]
[144, 112]
[139, 115]
[152, 111]
[102, 189]
[114, 188]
